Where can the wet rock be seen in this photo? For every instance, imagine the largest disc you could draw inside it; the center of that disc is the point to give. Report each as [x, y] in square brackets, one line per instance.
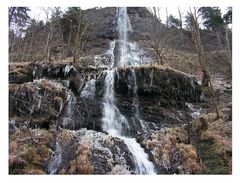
[159, 81]
[90, 152]
[162, 96]
[81, 152]
[35, 98]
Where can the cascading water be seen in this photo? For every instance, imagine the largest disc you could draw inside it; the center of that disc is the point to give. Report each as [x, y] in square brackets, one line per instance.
[56, 159]
[123, 27]
[89, 89]
[113, 121]
[67, 120]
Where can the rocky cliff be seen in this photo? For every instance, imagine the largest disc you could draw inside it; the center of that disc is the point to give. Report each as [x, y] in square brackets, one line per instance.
[49, 112]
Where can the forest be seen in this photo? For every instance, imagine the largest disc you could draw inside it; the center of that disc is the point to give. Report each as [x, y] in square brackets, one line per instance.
[120, 90]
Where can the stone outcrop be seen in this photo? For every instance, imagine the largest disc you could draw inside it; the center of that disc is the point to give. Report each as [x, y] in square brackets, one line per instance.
[50, 101]
[68, 152]
[162, 96]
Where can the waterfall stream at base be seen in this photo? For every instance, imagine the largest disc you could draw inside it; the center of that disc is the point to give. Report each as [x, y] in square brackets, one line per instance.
[113, 121]
[56, 159]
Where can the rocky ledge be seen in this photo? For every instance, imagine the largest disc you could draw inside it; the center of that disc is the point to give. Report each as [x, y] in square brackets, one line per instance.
[55, 125]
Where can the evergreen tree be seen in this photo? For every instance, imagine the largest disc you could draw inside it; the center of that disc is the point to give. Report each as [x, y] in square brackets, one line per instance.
[212, 20]
[174, 22]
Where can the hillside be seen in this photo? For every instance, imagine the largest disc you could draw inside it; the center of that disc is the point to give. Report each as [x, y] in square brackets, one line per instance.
[115, 91]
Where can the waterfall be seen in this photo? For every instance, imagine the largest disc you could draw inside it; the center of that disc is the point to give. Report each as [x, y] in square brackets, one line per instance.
[68, 119]
[56, 159]
[143, 165]
[89, 89]
[113, 121]
[123, 27]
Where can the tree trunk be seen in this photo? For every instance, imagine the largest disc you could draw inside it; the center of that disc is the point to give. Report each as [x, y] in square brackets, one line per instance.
[23, 52]
[69, 39]
[29, 51]
[228, 49]
[219, 40]
[48, 45]
[206, 79]
[180, 17]
[167, 21]
[199, 47]
[76, 51]
[61, 34]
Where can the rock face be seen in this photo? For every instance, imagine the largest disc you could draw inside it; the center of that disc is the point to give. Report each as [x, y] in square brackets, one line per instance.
[103, 30]
[91, 152]
[162, 95]
[162, 92]
[52, 101]
[68, 152]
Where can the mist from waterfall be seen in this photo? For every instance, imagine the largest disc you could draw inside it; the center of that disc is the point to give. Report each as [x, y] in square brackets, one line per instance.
[113, 121]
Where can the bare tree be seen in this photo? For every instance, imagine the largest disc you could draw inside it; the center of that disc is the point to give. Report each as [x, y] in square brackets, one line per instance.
[195, 31]
[49, 37]
[70, 36]
[229, 52]
[180, 17]
[32, 38]
[196, 37]
[159, 37]
[81, 37]
[167, 18]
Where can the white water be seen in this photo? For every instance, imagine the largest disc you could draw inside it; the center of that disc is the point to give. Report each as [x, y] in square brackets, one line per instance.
[56, 160]
[143, 165]
[123, 27]
[68, 68]
[89, 89]
[113, 121]
[67, 120]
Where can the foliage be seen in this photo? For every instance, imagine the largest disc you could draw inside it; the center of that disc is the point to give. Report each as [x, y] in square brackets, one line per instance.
[69, 21]
[212, 19]
[189, 20]
[174, 22]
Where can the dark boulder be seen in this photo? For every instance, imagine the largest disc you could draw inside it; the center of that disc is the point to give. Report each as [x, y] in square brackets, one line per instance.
[91, 152]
